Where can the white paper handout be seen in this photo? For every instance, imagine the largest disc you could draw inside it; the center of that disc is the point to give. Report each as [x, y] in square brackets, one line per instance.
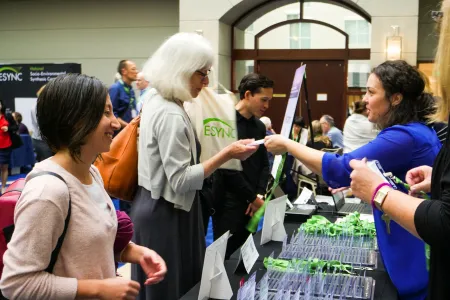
[325, 199]
[304, 196]
[273, 226]
[249, 253]
[215, 283]
[258, 142]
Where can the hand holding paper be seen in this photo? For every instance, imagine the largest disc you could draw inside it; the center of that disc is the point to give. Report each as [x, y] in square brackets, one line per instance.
[277, 144]
[241, 149]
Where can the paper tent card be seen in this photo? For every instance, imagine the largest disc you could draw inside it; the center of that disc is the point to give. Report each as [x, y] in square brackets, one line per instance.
[215, 283]
[273, 226]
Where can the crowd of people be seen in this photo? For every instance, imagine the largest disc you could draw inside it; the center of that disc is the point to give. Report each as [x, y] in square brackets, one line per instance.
[77, 117]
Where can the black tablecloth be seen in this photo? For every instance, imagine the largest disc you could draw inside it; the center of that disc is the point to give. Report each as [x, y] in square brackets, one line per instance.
[384, 289]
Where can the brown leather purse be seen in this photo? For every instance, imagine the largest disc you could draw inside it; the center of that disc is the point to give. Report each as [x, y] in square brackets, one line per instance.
[119, 166]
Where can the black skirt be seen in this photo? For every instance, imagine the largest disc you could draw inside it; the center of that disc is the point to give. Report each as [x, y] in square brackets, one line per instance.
[177, 236]
[5, 156]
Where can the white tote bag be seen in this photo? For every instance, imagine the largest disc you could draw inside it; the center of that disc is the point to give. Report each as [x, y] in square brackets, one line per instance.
[213, 116]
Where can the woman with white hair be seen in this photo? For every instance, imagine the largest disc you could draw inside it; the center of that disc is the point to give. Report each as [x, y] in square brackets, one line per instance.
[166, 211]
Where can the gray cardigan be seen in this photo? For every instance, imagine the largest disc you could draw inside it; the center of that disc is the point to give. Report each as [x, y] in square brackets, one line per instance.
[166, 146]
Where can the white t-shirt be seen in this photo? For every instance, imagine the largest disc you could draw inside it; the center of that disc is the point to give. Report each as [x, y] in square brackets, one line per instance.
[95, 192]
[358, 131]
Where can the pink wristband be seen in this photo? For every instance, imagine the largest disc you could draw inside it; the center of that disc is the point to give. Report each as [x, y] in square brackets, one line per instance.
[376, 191]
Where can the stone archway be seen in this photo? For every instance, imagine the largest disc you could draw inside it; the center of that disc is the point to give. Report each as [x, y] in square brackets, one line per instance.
[246, 12]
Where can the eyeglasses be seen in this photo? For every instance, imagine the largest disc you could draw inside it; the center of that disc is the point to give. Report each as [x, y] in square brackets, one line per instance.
[204, 75]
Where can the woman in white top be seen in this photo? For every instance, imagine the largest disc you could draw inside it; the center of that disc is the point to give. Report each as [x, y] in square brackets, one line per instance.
[358, 130]
[75, 118]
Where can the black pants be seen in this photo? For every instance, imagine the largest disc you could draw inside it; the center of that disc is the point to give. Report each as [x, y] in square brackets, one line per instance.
[230, 215]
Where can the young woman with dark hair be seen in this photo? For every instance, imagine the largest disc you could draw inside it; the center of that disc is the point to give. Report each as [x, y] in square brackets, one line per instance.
[428, 220]
[75, 118]
[396, 102]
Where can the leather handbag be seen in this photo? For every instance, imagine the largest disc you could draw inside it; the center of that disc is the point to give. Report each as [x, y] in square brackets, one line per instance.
[119, 166]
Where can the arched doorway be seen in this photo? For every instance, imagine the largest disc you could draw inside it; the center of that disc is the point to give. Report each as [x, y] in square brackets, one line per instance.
[331, 37]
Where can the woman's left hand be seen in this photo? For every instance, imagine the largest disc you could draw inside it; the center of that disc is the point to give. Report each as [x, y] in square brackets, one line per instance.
[364, 180]
[276, 144]
[154, 266]
[4, 128]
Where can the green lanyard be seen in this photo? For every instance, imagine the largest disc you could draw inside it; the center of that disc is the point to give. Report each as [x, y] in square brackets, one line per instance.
[298, 137]
[351, 224]
[128, 92]
[313, 265]
[252, 225]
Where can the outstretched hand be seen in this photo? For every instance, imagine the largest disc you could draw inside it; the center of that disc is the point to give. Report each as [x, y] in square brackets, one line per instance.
[276, 144]
[153, 266]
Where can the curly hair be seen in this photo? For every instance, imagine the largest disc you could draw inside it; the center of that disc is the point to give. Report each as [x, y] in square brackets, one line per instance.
[360, 107]
[398, 77]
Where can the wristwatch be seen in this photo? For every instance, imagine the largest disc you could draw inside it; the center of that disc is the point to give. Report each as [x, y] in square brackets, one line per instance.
[381, 196]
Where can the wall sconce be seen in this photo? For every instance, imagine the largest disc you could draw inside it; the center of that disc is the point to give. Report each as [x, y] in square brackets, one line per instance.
[394, 45]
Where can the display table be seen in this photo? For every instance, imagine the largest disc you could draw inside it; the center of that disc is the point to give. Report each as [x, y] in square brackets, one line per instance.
[384, 288]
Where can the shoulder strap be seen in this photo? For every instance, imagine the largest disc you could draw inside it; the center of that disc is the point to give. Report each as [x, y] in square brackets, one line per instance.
[57, 249]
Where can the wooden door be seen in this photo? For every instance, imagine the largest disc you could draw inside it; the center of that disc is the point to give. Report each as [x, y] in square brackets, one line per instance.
[326, 81]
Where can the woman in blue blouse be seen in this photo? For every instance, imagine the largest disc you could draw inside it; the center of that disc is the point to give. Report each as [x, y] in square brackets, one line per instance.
[397, 104]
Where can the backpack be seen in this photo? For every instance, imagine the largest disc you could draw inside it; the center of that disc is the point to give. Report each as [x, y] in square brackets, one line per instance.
[8, 202]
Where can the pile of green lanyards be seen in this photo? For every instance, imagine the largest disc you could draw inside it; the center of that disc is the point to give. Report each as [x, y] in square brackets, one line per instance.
[314, 265]
[350, 225]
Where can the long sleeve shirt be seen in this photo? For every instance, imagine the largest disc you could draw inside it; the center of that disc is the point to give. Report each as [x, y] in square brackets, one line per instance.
[432, 221]
[123, 100]
[252, 180]
[398, 149]
[166, 148]
[87, 249]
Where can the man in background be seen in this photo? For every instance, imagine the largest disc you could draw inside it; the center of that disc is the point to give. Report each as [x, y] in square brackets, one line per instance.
[330, 130]
[122, 94]
[239, 194]
[124, 103]
[143, 86]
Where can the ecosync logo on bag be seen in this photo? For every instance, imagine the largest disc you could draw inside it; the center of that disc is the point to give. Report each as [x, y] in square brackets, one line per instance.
[219, 129]
[10, 74]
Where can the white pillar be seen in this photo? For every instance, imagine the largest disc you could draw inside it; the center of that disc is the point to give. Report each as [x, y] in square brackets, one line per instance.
[386, 13]
[204, 15]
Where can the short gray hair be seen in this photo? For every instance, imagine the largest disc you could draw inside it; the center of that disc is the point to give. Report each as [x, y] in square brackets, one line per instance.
[329, 119]
[170, 68]
[266, 122]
